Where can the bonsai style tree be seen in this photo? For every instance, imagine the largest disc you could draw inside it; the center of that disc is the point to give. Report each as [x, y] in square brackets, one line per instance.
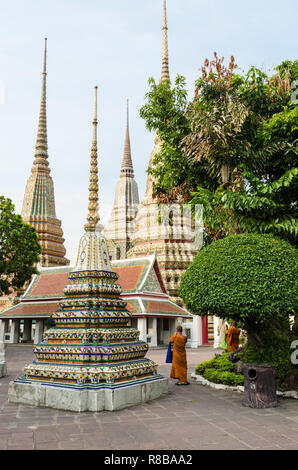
[19, 249]
[250, 279]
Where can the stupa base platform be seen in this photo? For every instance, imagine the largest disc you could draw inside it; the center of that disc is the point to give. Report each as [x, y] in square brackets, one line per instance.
[3, 369]
[91, 397]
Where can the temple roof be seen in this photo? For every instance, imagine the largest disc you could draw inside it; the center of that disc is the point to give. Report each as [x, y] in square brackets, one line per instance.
[142, 289]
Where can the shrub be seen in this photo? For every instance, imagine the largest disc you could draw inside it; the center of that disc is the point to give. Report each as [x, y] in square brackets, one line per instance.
[220, 370]
[220, 363]
[223, 377]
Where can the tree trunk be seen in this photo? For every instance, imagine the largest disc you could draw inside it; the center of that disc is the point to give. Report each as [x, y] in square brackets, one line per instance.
[259, 386]
[295, 326]
[225, 173]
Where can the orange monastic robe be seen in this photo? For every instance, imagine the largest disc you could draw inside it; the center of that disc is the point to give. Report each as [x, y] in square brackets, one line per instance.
[179, 363]
[232, 338]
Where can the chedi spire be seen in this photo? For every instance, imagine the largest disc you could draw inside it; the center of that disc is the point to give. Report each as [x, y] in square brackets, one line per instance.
[165, 75]
[93, 250]
[120, 227]
[41, 148]
[93, 216]
[39, 199]
[127, 167]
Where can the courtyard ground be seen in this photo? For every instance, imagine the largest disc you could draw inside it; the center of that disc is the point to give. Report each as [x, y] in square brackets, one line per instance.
[189, 418]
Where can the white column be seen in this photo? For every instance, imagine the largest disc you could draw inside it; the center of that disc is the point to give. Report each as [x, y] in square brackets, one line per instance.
[178, 321]
[154, 337]
[142, 327]
[14, 332]
[38, 331]
[27, 336]
[216, 332]
[196, 331]
[3, 329]
[3, 369]
[2, 352]
[172, 327]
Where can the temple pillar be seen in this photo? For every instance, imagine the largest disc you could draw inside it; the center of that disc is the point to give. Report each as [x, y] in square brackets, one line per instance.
[27, 336]
[196, 339]
[178, 321]
[14, 332]
[216, 332]
[204, 323]
[142, 327]
[154, 328]
[38, 331]
[4, 325]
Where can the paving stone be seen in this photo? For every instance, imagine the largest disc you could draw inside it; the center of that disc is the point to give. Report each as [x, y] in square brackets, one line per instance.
[47, 446]
[45, 436]
[205, 418]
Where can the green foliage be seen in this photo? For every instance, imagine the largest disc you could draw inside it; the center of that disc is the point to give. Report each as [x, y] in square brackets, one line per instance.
[220, 370]
[262, 210]
[224, 377]
[220, 363]
[243, 277]
[273, 349]
[164, 112]
[232, 148]
[19, 248]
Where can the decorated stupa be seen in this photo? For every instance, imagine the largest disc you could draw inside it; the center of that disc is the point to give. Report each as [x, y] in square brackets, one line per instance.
[39, 208]
[91, 359]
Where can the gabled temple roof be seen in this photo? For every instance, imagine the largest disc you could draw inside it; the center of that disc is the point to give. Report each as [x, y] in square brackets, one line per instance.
[140, 279]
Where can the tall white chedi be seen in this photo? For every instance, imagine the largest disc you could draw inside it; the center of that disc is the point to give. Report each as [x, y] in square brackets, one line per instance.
[120, 227]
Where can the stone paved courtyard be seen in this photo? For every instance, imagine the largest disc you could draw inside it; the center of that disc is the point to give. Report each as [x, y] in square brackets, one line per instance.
[189, 418]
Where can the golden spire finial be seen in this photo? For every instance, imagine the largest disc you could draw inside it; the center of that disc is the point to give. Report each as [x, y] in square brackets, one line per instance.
[41, 147]
[127, 167]
[165, 75]
[93, 216]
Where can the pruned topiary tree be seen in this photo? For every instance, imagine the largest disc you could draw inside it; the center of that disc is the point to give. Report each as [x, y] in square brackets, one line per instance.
[252, 279]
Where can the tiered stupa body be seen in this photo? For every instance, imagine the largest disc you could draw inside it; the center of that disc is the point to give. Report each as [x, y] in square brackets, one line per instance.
[167, 231]
[39, 200]
[120, 227]
[91, 352]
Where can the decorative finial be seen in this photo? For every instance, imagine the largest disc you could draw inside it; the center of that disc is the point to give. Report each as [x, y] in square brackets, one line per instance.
[93, 216]
[127, 167]
[41, 147]
[45, 56]
[165, 75]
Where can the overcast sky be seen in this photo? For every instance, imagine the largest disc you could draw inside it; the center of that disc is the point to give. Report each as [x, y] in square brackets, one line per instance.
[116, 45]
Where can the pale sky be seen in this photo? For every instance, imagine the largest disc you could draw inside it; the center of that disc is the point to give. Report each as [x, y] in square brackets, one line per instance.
[117, 46]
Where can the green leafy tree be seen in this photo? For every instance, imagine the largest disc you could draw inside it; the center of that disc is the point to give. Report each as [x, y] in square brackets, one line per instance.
[165, 112]
[19, 249]
[251, 279]
[232, 148]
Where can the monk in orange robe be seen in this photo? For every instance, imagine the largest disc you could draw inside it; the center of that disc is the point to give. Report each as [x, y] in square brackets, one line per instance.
[179, 363]
[232, 338]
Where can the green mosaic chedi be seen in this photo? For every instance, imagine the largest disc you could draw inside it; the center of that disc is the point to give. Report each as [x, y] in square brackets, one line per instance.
[91, 343]
[39, 200]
